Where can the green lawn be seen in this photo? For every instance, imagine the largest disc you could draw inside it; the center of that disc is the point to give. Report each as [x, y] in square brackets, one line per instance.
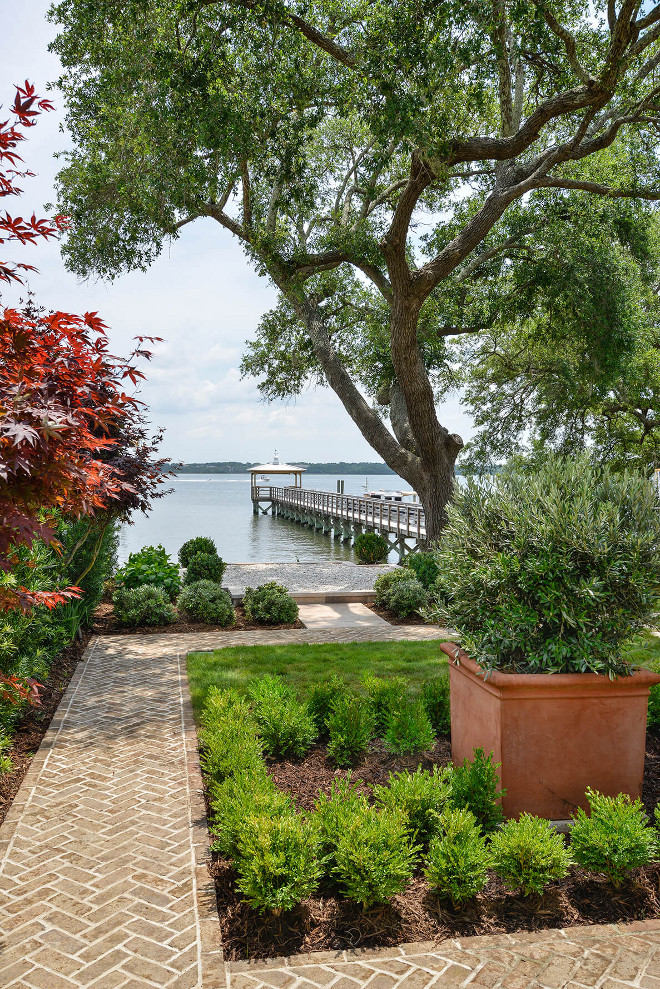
[644, 651]
[304, 665]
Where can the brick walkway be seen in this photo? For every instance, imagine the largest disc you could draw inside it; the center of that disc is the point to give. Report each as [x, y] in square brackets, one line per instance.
[103, 878]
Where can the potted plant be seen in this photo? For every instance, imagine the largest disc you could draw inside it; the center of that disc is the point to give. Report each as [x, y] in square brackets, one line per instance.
[548, 571]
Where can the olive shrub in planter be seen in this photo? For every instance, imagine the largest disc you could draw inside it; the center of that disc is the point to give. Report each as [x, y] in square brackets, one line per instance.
[547, 574]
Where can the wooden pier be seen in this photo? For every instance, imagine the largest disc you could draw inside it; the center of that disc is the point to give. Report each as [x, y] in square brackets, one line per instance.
[345, 516]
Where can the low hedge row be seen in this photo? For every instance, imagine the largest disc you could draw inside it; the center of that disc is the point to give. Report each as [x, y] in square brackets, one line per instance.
[445, 821]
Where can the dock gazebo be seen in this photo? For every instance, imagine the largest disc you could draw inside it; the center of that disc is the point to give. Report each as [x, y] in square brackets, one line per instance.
[260, 490]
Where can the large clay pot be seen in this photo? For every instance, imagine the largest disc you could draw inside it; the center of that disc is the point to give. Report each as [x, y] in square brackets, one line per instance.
[554, 734]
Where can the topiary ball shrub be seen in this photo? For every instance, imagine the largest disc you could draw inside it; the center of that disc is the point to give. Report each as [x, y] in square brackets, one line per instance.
[150, 566]
[458, 858]
[552, 568]
[614, 838]
[269, 604]
[200, 544]
[206, 601]
[384, 583]
[370, 547]
[424, 567]
[205, 566]
[407, 597]
[145, 605]
[528, 854]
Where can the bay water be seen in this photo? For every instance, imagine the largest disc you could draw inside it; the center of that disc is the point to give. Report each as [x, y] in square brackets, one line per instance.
[219, 506]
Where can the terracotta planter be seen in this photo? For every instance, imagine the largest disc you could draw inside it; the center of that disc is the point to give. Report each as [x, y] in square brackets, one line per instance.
[555, 734]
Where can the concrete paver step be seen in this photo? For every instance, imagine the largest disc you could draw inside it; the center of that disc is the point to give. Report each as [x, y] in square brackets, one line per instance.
[340, 615]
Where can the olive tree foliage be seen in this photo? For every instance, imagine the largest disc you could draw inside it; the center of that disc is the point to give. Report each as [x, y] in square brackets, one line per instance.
[385, 164]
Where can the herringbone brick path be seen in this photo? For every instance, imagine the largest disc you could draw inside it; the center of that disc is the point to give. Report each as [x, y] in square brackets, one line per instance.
[97, 879]
[607, 957]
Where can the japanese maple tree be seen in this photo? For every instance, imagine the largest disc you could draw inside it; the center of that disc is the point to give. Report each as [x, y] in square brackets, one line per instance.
[64, 411]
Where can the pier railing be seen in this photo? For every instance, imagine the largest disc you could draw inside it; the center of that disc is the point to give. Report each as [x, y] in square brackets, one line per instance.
[398, 517]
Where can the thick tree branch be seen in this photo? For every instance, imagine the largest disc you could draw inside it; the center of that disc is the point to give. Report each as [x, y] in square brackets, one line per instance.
[599, 190]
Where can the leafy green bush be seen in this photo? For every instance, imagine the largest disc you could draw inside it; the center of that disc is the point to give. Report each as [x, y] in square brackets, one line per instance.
[435, 697]
[278, 861]
[407, 597]
[425, 568]
[384, 583]
[374, 858]
[206, 601]
[654, 705]
[229, 737]
[528, 854]
[150, 566]
[269, 604]
[286, 726]
[200, 544]
[614, 838]
[350, 727]
[322, 698]
[458, 858]
[475, 785]
[421, 796]
[408, 729]
[6, 763]
[205, 566]
[237, 797]
[551, 571]
[385, 694]
[370, 547]
[334, 813]
[144, 605]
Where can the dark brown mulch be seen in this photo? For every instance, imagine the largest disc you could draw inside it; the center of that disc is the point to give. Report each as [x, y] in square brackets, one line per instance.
[105, 623]
[329, 922]
[394, 619]
[36, 720]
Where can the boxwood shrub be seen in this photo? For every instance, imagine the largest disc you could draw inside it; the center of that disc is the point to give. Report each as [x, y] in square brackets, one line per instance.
[144, 605]
[269, 604]
[206, 601]
[614, 837]
[458, 858]
[370, 547]
[205, 566]
[200, 544]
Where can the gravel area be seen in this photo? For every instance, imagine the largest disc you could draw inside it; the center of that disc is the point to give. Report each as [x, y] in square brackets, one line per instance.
[310, 576]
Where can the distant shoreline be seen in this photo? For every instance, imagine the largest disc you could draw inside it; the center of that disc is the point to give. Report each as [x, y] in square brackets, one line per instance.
[235, 467]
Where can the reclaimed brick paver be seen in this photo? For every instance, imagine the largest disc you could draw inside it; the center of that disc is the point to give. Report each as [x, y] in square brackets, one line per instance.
[103, 858]
[98, 855]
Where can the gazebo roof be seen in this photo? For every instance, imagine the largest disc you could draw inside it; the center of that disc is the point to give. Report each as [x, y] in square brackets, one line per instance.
[276, 468]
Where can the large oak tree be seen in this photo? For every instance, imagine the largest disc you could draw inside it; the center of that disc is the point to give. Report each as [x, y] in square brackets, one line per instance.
[382, 162]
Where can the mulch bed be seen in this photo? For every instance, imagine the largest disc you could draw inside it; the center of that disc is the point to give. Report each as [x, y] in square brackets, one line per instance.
[105, 623]
[36, 720]
[329, 922]
[394, 619]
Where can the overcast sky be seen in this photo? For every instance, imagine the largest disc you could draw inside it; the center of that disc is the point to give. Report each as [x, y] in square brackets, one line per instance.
[200, 296]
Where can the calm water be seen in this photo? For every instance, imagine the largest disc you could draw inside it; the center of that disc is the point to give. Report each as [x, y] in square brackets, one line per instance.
[219, 506]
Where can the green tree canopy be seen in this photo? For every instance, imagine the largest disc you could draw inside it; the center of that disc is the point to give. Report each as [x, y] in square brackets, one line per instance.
[390, 166]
